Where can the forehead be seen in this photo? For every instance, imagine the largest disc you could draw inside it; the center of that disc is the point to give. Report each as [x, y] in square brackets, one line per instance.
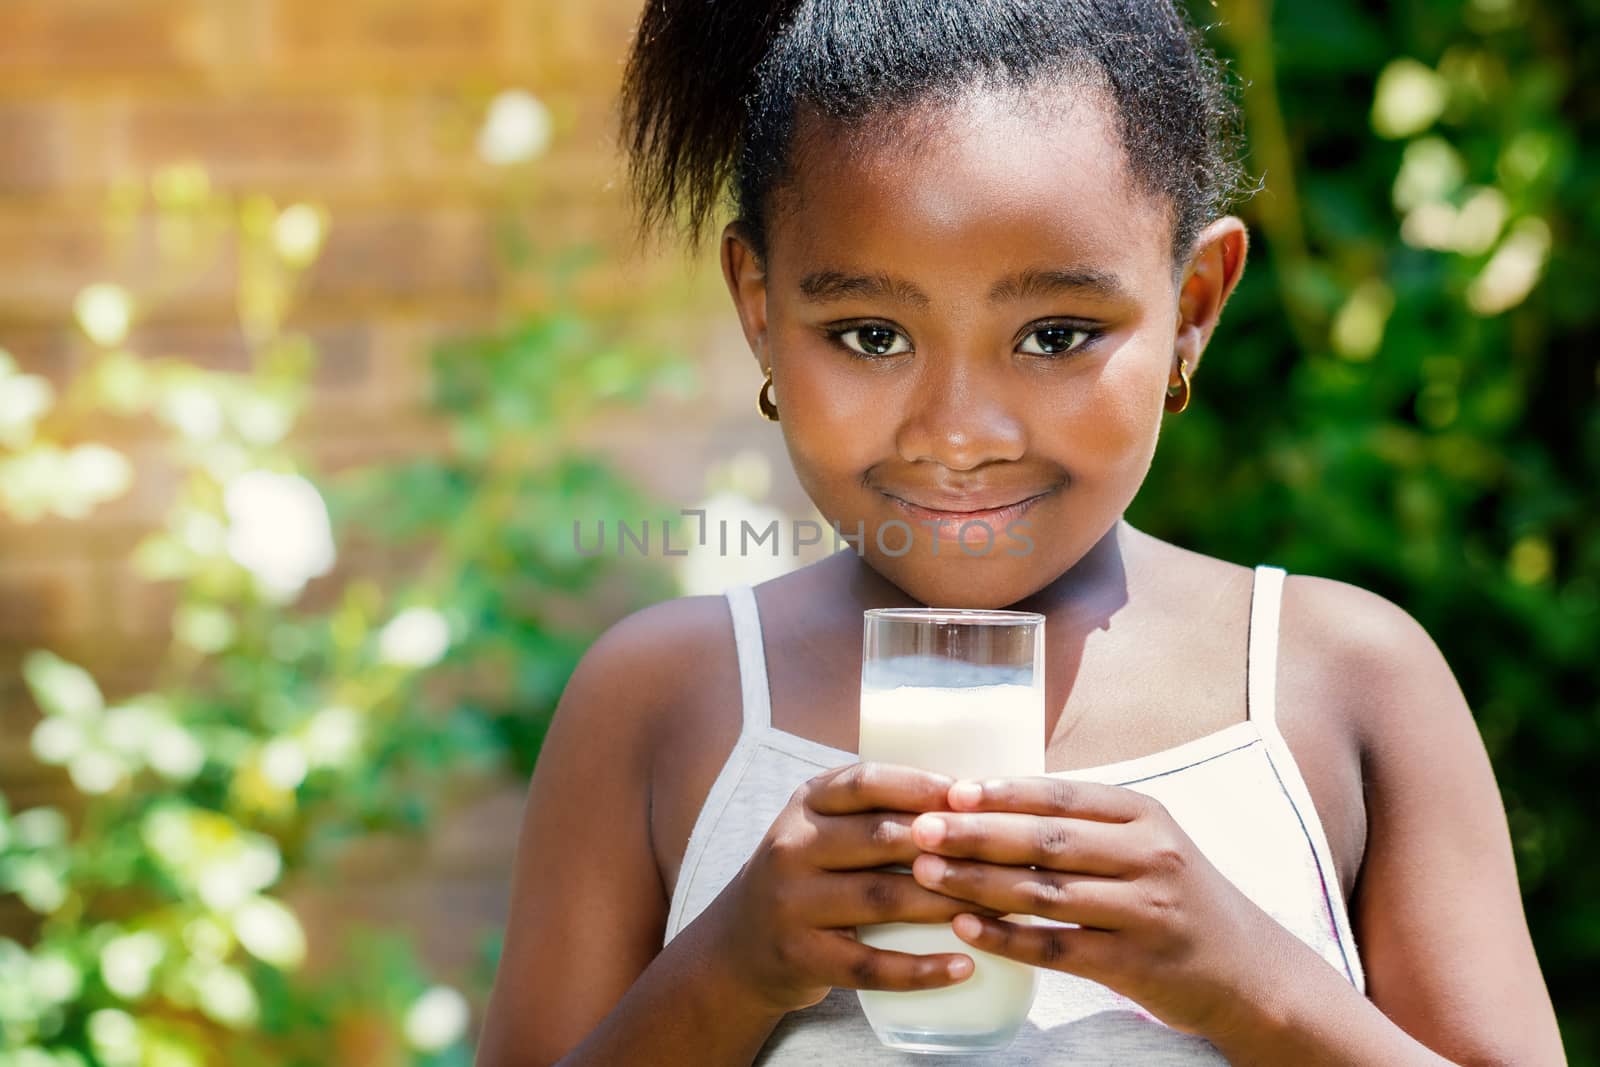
[962, 189]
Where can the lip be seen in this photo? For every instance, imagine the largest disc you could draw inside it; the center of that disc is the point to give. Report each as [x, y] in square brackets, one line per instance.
[950, 521]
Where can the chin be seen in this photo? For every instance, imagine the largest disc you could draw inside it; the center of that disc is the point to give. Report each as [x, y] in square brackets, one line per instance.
[953, 580]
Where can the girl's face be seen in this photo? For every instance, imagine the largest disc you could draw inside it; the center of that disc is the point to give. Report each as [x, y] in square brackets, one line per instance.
[971, 315]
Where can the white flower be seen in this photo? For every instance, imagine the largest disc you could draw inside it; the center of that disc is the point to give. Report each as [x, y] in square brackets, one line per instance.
[204, 627]
[40, 884]
[57, 739]
[417, 637]
[97, 472]
[283, 763]
[207, 940]
[62, 688]
[1513, 270]
[1480, 220]
[1358, 327]
[516, 130]
[1430, 170]
[24, 399]
[270, 932]
[127, 727]
[126, 963]
[298, 233]
[1408, 98]
[39, 828]
[30, 483]
[55, 978]
[230, 876]
[332, 736]
[199, 532]
[262, 420]
[278, 530]
[95, 771]
[115, 1038]
[173, 753]
[193, 411]
[437, 1019]
[226, 995]
[104, 312]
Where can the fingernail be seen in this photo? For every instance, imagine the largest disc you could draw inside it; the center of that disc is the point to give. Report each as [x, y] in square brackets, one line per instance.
[967, 925]
[929, 829]
[934, 868]
[966, 792]
[960, 968]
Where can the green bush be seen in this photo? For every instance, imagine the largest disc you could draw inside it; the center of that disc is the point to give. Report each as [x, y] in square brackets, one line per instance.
[281, 727]
[1403, 393]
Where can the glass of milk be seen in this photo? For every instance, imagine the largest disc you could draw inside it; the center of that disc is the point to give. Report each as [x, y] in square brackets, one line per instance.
[958, 692]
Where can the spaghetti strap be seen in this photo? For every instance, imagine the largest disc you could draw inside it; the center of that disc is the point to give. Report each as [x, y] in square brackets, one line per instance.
[1261, 667]
[1265, 612]
[752, 659]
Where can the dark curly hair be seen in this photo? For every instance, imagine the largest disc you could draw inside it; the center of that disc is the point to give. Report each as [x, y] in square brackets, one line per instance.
[713, 89]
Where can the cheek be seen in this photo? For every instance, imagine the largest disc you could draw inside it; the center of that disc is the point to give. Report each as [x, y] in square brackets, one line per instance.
[833, 420]
[1105, 418]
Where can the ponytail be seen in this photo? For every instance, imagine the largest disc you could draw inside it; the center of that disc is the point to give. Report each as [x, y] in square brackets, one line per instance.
[692, 68]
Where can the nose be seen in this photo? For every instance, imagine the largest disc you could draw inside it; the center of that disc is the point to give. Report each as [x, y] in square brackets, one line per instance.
[961, 415]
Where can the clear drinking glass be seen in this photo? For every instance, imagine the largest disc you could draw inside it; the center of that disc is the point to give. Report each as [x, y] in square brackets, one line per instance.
[958, 692]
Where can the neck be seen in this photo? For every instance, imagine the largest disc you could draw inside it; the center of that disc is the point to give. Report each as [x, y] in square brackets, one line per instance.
[1095, 586]
[1089, 591]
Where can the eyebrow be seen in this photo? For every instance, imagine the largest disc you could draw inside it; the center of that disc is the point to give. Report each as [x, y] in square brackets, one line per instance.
[824, 285]
[821, 286]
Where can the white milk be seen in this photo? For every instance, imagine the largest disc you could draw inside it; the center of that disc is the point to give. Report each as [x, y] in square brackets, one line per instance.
[974, 732]
[980, 731]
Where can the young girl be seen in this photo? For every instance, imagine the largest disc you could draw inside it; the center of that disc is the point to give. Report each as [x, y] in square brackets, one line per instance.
[979, 248]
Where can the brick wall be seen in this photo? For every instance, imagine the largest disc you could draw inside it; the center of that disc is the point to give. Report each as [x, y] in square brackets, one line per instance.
[369, 107]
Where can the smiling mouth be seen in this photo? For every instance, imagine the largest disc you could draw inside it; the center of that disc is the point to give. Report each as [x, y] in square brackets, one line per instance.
[951, 521]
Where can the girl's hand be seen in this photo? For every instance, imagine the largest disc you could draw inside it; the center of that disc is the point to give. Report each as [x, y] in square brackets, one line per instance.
[785, 923]
[1159, 924]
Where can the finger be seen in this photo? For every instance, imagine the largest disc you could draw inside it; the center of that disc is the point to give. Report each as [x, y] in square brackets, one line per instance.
[875, 786]
[1104, 903]
[866, 898]
[863, 841]
[1050, 796]
[849, 964]
[1085, 846]
[1086, 952]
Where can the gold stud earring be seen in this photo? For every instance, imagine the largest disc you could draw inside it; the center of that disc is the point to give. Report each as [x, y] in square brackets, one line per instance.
[765, 400]
[1174, 405]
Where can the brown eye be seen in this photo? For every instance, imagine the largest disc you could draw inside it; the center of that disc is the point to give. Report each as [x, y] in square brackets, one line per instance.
[1055, 340]
[874, 341]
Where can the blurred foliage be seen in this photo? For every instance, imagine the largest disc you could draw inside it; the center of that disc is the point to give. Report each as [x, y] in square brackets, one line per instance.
[1404, 392]
[302, 704]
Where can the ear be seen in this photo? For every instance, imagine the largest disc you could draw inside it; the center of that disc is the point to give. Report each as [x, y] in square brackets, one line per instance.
[747, 282]
[1208, 280]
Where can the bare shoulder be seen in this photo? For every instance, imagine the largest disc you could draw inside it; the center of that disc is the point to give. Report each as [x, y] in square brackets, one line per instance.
[1385, 668]
[672, 672]
[1348, 676]
[655, 661]
[668, 627]
[1437, 911]
[642, 693]
[588, 815]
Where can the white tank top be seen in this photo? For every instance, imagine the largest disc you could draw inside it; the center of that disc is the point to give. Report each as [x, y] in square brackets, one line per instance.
[1237, 793]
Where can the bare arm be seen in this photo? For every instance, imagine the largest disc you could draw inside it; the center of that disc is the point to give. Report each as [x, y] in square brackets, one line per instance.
[1451, 970]
[583, 977]
[682, 1010]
